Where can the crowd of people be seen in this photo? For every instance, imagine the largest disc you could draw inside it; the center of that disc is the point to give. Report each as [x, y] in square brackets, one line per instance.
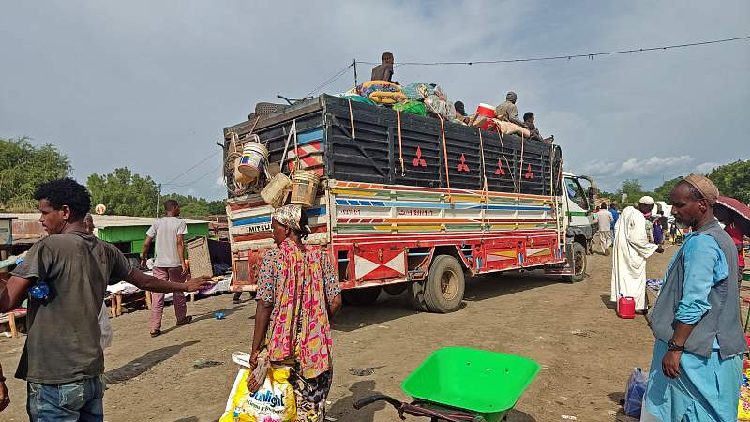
[298, 291]
[506, 111]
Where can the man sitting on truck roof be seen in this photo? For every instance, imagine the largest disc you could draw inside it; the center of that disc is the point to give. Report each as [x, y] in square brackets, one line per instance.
[384, 72]
[528, 122]
[508, 110]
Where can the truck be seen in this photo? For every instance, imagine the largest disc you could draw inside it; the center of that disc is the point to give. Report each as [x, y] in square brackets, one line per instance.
[411, 202]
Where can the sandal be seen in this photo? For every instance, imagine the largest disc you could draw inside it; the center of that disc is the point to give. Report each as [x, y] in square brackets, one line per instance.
[188, 319]
[155, 333]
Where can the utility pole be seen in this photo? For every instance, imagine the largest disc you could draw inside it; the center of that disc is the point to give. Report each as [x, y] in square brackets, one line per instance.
[158, 196]
[354, 64]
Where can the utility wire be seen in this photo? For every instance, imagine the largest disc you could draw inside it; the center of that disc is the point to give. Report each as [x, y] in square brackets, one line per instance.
[199, 178]
[570, 56]
[330, 80]
[191, 168]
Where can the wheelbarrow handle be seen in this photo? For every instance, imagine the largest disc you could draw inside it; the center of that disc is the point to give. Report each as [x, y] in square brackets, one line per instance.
[358, 404]
[414, 409]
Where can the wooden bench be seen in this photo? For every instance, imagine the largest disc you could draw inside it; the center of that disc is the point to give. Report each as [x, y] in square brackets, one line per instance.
[10, 319]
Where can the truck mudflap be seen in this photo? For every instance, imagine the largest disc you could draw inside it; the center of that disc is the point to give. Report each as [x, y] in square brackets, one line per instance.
[567, 268]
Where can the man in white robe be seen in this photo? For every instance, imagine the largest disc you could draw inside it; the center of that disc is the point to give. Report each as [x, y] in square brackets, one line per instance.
[629, 254]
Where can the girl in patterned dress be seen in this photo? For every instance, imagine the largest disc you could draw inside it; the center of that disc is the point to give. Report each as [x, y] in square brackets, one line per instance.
[298, 292]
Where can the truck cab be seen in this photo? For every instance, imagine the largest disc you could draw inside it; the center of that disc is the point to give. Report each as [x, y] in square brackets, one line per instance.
[579, 194]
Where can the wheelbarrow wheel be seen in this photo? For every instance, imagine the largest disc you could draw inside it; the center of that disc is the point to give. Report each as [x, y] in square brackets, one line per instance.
[444, 289]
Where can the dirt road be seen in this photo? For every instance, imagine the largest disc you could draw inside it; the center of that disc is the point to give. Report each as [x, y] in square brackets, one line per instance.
[585, 350]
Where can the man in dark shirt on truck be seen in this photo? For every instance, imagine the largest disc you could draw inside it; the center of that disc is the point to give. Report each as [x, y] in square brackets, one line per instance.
[65, 276]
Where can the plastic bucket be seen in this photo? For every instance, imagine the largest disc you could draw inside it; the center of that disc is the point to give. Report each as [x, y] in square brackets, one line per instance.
[626, 307]
[253, 156]
[304, 187]
[276, 190]
[487, 111]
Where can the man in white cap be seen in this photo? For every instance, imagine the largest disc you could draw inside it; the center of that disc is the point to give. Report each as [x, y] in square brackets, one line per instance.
[629, 253]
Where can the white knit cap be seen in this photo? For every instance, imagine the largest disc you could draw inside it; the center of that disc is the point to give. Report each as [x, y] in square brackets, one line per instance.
[646, 200]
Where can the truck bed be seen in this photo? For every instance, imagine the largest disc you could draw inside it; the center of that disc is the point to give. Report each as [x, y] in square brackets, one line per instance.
[352, 141]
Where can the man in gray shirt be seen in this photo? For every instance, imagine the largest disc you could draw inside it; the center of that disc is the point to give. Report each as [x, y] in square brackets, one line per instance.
[170, 264]
[508, 110]
[65, 275]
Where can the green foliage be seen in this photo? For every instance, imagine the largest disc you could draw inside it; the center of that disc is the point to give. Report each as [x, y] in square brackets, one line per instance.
[23, 167]
[662, 192]
[733, 180]
[634, 191]
[124, 193]
[191, 206]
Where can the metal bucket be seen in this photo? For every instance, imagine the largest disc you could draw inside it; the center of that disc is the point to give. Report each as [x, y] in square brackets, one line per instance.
[304, 187]
[254, 155]
[276, 191]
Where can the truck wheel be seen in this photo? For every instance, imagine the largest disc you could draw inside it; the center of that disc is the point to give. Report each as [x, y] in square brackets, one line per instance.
[395, 289]
[360, 297]
[579, 263]
[416, 294]
[444, 289]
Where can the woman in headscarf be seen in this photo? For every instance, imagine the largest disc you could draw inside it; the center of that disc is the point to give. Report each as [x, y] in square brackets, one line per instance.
[298, 292]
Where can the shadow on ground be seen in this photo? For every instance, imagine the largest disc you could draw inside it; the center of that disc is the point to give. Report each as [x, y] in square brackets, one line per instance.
[518, 416]
[208, 315]
[492, 285]
[142, 364]
[607, 303]
[389, 308]
[344, 411]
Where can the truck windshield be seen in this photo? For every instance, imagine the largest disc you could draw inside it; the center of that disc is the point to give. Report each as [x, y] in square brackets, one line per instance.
[575, 192]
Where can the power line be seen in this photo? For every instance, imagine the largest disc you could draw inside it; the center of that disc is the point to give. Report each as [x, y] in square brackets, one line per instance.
[570, 56]
[191, 168]
[330, 80]
[199, 178]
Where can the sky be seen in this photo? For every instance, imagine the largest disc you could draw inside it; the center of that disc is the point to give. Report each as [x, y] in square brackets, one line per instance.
[151, 84]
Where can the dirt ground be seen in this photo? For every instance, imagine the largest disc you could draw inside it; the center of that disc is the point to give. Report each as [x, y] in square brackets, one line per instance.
[585, 350]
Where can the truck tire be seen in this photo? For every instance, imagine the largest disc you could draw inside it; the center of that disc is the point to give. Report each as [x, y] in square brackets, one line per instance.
[416, 294]
[444, 288]
[395, 289]
[579, 263]
[361, 297]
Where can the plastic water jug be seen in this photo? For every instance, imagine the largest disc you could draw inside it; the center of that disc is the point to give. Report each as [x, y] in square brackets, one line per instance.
[626, 307]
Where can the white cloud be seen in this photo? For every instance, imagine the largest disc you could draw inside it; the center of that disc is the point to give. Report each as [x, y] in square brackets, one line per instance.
[166, 77]
[706, 167]
[639, 167]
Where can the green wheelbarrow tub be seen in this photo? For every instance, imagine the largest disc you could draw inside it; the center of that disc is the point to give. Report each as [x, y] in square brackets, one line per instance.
[476, 380]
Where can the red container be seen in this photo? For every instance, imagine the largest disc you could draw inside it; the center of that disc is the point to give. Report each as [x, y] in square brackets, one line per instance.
[487, 111]
[626, 307]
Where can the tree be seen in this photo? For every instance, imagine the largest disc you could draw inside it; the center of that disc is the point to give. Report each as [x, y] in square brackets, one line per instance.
[23, 167]
[662, 192]
[124, 193]
[733, 180]
[191, 206]
[634, 191]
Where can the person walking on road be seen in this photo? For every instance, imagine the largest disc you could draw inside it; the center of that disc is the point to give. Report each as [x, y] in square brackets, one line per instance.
[298, 292]
[696, 370]
[170, 265]
[604, 218]
[631, 248]
[64, 276]
[615, 216]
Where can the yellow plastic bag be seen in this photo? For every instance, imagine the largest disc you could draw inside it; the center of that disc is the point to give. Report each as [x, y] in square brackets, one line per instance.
[743, 408]
[273, 402]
